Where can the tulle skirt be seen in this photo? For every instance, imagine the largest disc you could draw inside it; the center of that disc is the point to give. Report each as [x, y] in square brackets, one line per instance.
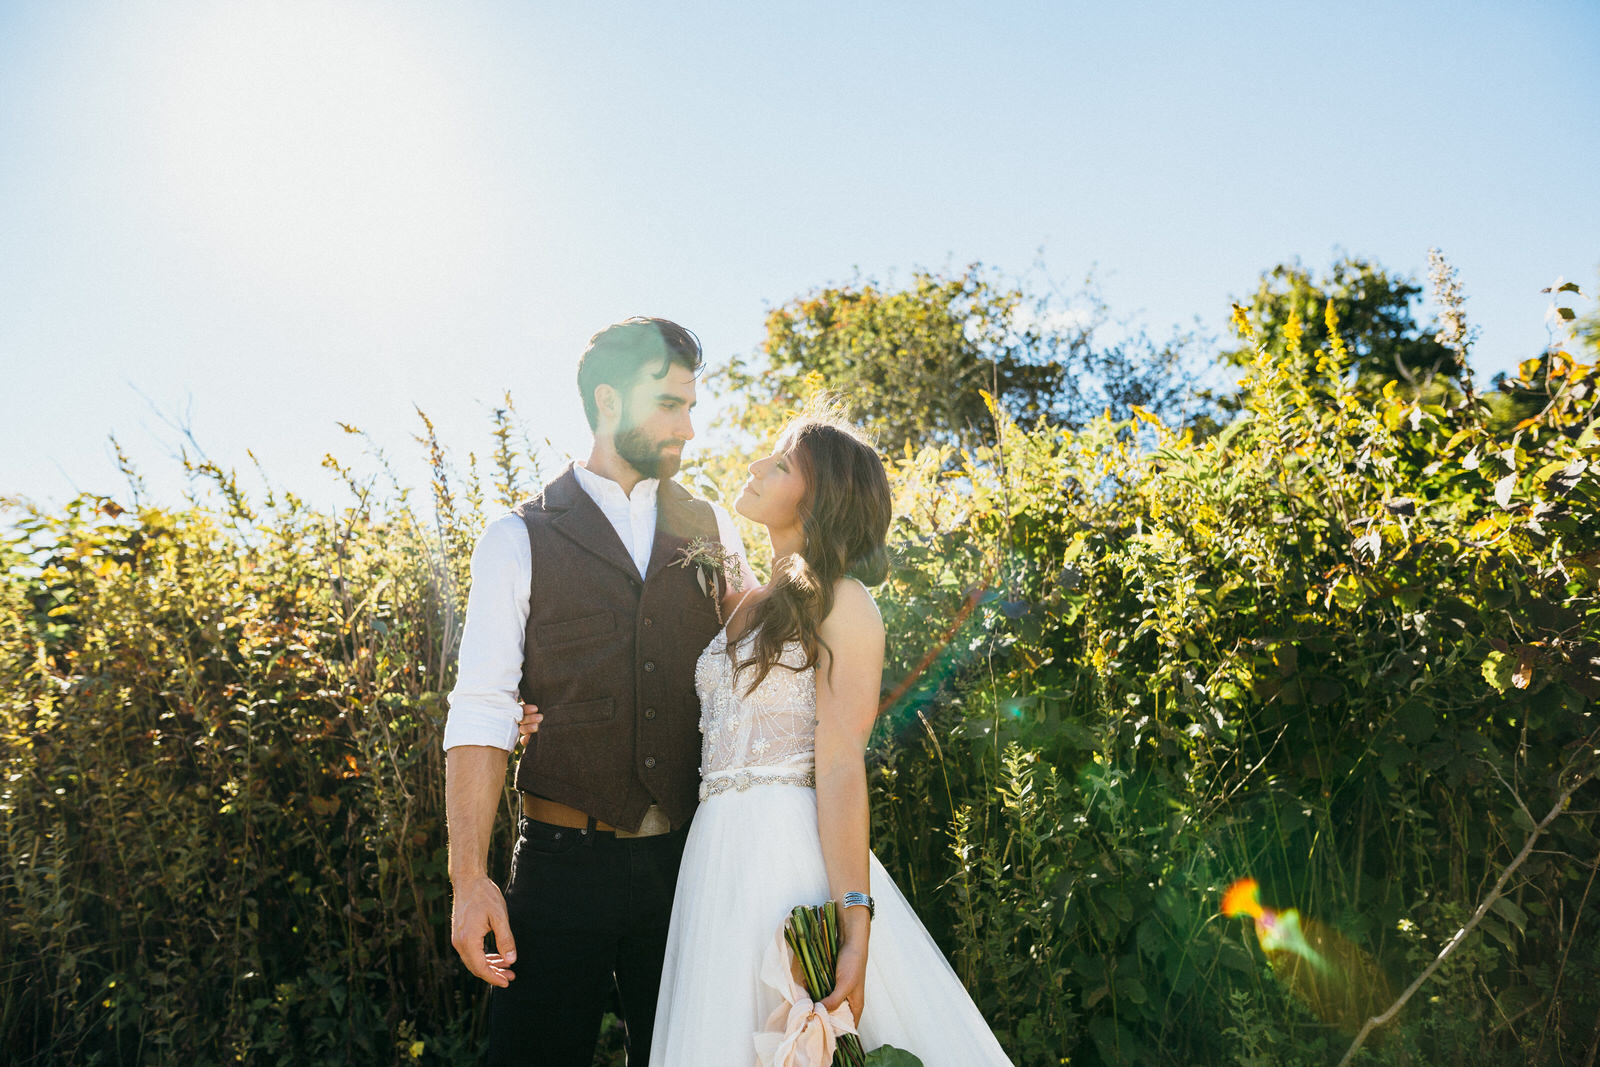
[750, 858]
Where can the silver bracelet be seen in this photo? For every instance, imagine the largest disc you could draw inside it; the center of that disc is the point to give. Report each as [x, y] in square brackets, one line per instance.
[853, 899]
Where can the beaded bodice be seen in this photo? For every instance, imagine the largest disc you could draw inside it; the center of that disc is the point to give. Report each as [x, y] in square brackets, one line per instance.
[770, 730]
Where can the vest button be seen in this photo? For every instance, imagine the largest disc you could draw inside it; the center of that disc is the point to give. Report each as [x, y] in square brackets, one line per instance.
[648, 622]
[649, 665]
[649, 762]
[649, 713]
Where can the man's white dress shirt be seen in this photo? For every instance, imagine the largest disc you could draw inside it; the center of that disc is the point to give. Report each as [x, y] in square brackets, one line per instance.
[484, 705]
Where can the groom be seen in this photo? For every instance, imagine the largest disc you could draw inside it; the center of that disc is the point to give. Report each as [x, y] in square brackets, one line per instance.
[577, 606]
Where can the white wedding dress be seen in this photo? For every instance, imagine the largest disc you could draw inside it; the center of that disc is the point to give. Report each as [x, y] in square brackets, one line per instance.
[753, 853]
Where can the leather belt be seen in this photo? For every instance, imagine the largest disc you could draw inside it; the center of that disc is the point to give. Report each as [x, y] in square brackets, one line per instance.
[549, 811]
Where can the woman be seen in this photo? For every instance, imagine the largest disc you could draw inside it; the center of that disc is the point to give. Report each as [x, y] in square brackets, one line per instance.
[788, 693]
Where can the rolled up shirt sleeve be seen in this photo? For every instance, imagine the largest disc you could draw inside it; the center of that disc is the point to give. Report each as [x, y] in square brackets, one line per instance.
[484, 706]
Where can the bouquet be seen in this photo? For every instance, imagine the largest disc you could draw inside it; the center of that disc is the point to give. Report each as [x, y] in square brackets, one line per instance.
[800, 1031]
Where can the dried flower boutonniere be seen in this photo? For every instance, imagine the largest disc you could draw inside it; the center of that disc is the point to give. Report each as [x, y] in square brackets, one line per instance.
[710, 562]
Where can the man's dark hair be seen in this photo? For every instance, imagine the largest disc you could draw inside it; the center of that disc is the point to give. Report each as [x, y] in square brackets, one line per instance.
[617, 354]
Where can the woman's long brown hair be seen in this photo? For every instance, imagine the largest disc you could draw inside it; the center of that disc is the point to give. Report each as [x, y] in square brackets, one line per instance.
[845, 516]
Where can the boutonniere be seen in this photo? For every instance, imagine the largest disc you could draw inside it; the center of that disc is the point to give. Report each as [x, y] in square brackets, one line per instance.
[710, 562]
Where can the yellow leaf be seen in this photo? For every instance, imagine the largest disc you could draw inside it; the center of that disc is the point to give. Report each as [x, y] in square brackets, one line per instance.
[1522, 677]
[1347, 592]
[1484, 528]
[1547, 470]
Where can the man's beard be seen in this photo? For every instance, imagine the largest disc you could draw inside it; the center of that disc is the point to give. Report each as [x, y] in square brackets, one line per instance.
[647, 457]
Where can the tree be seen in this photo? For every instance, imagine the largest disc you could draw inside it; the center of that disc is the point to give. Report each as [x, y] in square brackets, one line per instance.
[1374, 311]
[911, 364]
[1543, 382]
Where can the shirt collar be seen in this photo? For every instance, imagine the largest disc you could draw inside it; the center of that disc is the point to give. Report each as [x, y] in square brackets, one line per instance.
[600, 487]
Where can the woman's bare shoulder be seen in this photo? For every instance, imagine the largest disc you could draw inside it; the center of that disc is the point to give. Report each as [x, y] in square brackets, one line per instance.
[855, 613]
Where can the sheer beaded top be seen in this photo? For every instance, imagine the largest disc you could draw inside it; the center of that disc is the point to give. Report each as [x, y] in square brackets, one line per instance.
[772, 728]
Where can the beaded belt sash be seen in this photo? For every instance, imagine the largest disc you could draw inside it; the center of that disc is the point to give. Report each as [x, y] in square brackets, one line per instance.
[740, 780]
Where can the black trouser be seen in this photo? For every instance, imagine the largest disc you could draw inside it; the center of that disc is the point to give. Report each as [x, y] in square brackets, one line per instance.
[589, 914]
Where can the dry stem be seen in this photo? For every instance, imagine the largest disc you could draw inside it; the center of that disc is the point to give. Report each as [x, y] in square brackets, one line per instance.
[1455, 942]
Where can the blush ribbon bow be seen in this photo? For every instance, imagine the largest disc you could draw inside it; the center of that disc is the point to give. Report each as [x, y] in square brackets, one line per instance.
[800, 1032]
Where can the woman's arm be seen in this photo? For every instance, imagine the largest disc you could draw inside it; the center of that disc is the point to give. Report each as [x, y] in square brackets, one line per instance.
[847, 703]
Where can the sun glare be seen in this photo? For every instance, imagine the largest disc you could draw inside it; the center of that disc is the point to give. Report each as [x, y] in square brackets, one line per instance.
[319, 144]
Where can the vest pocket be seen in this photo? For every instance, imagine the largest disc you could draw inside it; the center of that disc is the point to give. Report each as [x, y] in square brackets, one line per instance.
[698, 619]
[551, 634]
[576, 714]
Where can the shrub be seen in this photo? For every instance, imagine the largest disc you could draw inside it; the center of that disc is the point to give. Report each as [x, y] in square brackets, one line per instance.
[1346, 645]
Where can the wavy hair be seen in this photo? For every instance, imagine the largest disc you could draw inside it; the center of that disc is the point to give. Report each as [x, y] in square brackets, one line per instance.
[617, 354]
[845, 515]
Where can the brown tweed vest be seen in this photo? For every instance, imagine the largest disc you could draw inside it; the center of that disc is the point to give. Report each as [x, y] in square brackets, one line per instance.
[610, 656]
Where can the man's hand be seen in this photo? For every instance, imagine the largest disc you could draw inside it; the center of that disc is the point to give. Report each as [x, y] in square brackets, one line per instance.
[531, 718]
[850, 980]
[481, 909]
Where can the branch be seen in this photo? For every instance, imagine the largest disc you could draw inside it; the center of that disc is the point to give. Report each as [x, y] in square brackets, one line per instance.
[1477, 916]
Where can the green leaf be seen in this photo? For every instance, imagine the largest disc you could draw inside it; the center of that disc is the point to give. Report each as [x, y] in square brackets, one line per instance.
[1508, 909]
[1394, 756]
[1152, 937]
[1497, 931]
[1347, 592]
[1114, 1043]
[1497, 668]
[889, 1056]
[1416, 721]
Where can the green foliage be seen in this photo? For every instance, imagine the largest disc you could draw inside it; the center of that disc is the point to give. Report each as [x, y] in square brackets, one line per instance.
[1374, 311]
[912, 363]
[221, 830]
[1345, 645]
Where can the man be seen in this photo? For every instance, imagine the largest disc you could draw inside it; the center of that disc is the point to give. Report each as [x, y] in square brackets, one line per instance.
[577, 606]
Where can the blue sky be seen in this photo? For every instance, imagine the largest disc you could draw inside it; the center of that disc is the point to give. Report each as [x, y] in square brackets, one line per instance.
[272, 218]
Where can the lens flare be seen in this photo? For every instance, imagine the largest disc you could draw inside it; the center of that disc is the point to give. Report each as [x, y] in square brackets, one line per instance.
[1336, 979]
[1242, 898]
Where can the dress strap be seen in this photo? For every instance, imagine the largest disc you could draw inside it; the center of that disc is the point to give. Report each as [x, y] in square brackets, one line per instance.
[727, 626]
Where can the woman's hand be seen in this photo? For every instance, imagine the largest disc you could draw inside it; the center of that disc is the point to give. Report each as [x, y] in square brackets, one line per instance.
[530, 721]
[850, 980]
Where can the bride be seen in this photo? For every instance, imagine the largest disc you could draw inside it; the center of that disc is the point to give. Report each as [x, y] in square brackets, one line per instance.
[788, 692]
